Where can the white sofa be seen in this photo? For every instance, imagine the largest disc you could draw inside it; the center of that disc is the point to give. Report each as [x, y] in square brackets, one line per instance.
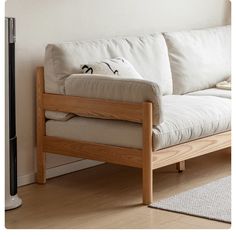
[180, 71]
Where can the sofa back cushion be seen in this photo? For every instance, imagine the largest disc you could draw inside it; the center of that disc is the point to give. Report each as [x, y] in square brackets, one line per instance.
[148, 54]
[199, 59]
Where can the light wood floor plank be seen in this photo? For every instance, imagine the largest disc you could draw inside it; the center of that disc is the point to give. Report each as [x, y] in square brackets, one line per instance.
[110, 196]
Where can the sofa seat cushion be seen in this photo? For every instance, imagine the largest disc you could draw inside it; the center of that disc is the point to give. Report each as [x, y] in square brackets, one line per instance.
[110, 132]
[185, 118]
[188, 118]
[212, 92]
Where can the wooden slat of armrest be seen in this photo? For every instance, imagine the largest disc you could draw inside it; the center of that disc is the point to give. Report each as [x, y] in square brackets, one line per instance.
[99, 108]
[94, 151]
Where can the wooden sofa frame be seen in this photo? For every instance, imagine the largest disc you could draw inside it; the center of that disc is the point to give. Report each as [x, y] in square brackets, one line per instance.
[145, 158]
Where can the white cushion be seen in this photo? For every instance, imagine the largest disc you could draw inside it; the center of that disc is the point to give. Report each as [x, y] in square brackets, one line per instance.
[110, 132]
[224, 85]
[199, 58]
[186, 118]
[115, 67]
[148, 54]
[60, 116]
[115, 88]
[212, 92]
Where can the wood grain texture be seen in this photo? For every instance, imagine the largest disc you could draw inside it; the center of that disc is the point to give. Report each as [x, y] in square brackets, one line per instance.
[98, 108]
[147, 154]
[93, 151]
[40, 130]
[191, 149]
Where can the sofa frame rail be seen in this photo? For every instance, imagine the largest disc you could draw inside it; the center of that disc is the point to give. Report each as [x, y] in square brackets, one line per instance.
[144, 158]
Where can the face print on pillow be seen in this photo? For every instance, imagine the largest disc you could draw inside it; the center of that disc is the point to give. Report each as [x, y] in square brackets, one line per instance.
[116, 66]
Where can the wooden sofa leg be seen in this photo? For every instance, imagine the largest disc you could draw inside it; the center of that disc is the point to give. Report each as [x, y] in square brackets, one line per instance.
[147, 154]
[180, 166]
[41, 167]
[147, 186]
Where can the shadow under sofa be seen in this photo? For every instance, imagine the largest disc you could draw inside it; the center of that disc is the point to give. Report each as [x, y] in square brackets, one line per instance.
[147, 124]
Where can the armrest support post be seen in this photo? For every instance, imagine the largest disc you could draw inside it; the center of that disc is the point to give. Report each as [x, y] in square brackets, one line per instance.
[40, 120]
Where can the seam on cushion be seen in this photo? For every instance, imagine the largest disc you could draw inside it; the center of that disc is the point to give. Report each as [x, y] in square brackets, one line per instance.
[218, 96]
[172, 131]
[162, 146]
[132, 80]
[203, 135]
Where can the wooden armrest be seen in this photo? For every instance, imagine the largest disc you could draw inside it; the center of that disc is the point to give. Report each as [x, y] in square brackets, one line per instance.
[98, 108]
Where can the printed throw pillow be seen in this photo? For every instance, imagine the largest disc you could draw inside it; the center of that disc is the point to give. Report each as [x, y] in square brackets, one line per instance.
[116, 66]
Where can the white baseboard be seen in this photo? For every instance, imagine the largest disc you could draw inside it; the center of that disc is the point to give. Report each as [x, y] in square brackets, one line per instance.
[71, 167]
[25, 179]
[58, 170]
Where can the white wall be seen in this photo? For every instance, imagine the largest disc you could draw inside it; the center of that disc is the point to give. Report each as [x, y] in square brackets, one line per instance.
[41, 22]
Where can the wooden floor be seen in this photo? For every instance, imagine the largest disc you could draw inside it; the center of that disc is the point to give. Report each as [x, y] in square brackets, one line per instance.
[109, 196]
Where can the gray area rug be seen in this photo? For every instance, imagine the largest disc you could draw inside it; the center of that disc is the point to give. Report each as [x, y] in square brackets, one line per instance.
[211, 201]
